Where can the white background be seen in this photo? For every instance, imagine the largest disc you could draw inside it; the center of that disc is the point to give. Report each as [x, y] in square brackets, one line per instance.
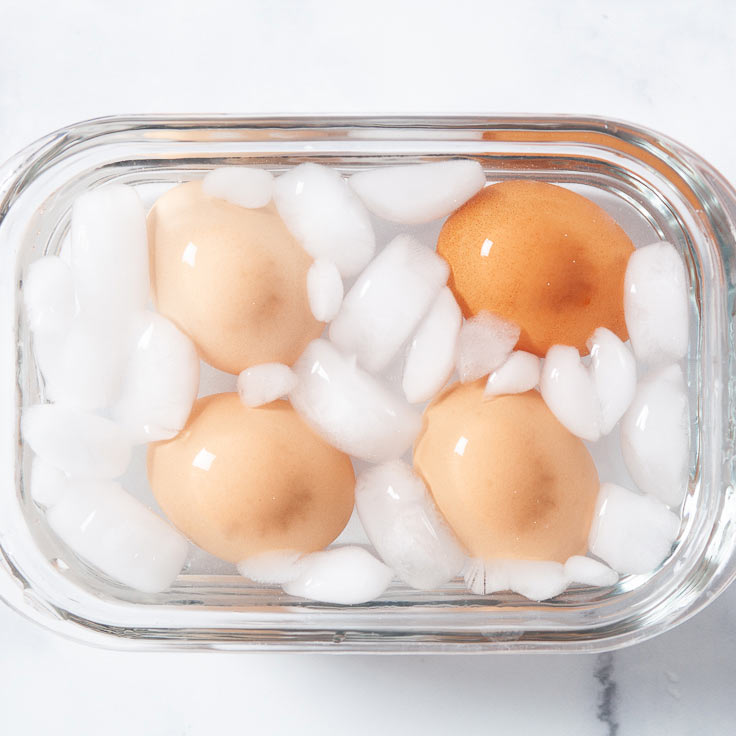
[668, 65]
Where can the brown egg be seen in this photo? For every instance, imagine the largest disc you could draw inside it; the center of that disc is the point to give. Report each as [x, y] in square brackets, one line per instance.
[234, 279]
[240, 481]
[511, 481]
[542, 256]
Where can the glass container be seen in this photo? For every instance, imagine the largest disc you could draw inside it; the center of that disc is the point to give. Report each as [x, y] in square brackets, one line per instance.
[654, 187]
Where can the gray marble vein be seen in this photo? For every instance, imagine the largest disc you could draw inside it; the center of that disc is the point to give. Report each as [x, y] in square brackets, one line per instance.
[607, 696]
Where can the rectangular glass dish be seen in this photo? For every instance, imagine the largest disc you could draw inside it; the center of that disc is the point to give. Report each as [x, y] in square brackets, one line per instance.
[654, 188]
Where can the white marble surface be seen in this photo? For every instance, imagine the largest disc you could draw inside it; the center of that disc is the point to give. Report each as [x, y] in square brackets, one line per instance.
[670, 66]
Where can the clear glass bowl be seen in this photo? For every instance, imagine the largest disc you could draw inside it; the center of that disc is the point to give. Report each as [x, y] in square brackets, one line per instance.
[653, 186]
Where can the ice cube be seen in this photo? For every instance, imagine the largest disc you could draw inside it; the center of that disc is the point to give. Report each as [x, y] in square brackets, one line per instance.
[656, 304]
[613, 370]
[587, 571]
[345, 575]
[48, 294]
[431, 356]
[116, 533]
[89, 365]
[82, 445]
[245, 186]
[109, 253]
[160, 381]
[264, 383]
[655, 435]
[485, 341]
[48, 484]
[519, 373]
[418, 193]
[631, 532]
[324, 289]
[273, 568]
[325, 216]
[404, 526]
[351, 409]
[387, 301]
[568, 391]
[537, 580]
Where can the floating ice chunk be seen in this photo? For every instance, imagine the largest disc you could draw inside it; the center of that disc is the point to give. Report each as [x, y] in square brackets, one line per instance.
[109, 254]
[350, 408]
[404, 526]
[656, 304]
[82, 445]
[519, 373]
[632, 533]
[48, 484]
[242, 185]
[587, 571]
[116, 533]
[613, 369]
[486, 340]
[160, 382]
[388, 300]
[325, 216]
[89, 364]
[568, 391]
[264, 383]
[655, 435]
[419, 192]
[273, 568]
[537, 580]
[48, 294]
[431, 356]
[345, 575]
[324, 289]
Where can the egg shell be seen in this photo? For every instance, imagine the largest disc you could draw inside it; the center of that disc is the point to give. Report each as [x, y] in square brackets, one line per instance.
[541, 256]
[242, 481]
[233, 279]
[510, 480]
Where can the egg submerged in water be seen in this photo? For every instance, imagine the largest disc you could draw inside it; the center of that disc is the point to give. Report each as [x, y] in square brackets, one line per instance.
[240, 481]
[541, 256]
[509, 479]
[233, 279]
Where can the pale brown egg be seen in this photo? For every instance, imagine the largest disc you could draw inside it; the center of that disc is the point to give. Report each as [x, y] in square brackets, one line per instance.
[234, 279]
[511, 481]
[239, 481]
[546, 258]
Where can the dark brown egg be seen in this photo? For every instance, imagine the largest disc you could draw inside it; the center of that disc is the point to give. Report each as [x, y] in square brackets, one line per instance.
[546, 258]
